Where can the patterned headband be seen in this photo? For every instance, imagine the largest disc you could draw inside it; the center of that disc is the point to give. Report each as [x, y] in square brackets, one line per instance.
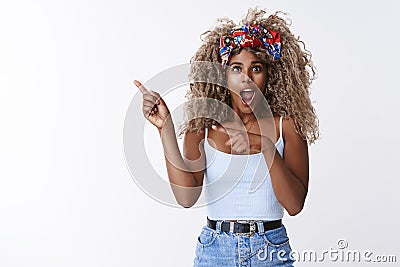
[250, 36]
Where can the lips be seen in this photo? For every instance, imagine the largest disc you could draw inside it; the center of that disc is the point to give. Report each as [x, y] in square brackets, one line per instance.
[247, 96]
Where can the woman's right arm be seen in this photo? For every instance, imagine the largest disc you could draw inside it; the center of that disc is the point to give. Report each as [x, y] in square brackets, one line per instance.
[184, 173]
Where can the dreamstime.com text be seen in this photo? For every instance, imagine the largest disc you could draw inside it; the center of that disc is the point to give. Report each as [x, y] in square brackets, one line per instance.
[339, 254]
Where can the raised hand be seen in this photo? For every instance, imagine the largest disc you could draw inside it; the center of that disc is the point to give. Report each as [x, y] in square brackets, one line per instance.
[238, 138]
[154, 108]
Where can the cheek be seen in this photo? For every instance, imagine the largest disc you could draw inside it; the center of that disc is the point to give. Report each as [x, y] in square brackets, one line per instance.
[234, 78]
[261, 83]
[231, 80]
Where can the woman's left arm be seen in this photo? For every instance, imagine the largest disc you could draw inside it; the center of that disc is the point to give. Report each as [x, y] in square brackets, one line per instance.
[289, 175]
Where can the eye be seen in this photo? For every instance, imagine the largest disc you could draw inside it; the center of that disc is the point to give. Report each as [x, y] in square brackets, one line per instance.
[236, 68]
[257, 68]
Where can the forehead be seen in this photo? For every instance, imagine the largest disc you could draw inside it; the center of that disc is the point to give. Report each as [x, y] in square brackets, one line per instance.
[244, 56]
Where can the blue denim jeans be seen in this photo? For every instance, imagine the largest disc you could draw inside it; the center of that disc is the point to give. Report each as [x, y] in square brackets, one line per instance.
[265, 248]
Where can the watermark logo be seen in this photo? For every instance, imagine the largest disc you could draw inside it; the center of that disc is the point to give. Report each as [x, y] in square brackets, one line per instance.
[342, 244]
[341, 253]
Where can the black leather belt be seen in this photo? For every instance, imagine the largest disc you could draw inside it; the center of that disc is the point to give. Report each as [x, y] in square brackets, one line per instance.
[249, 227]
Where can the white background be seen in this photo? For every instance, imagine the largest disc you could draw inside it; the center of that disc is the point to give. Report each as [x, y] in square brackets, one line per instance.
[66, 72]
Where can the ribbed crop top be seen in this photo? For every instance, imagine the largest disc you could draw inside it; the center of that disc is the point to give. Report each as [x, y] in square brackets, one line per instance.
[238, 187]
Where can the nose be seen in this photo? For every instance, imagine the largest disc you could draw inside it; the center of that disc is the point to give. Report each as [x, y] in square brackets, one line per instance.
[246, 75]
[245, 78]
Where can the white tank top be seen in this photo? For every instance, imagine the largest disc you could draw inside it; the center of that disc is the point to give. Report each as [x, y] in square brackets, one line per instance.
[239, 186]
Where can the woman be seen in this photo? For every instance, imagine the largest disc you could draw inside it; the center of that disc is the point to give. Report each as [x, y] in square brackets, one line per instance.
[259, 133]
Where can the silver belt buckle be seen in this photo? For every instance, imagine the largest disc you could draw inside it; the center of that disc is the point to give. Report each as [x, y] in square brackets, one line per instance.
[252, 227]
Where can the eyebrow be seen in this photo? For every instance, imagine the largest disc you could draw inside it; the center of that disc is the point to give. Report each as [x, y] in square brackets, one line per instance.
[239, 63]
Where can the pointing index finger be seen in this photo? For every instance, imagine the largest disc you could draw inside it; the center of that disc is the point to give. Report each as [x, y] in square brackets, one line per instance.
[141, 87]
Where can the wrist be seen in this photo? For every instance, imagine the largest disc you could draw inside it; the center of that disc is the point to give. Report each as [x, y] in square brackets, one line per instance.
[168, 126]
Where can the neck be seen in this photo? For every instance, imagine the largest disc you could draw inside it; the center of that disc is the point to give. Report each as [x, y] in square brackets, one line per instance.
[246, 117]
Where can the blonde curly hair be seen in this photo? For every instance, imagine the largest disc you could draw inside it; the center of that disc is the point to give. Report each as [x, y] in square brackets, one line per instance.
[288, 78]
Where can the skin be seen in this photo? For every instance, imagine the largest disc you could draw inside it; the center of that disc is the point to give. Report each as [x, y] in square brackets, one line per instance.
[289, 175]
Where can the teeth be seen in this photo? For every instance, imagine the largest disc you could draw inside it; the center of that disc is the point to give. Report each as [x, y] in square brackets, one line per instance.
[247, 96]
[246, 92]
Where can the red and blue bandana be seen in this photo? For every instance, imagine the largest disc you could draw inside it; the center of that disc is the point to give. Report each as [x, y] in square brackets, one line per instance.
[250, 36]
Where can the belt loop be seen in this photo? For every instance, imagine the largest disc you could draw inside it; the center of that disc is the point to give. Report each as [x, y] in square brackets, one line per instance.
[260, 226]
[218, 226]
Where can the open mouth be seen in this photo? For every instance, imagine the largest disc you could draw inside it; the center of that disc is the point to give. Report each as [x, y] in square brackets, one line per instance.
[247, 96]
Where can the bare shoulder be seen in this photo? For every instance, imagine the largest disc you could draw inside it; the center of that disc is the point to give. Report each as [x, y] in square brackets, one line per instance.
[289, 132]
